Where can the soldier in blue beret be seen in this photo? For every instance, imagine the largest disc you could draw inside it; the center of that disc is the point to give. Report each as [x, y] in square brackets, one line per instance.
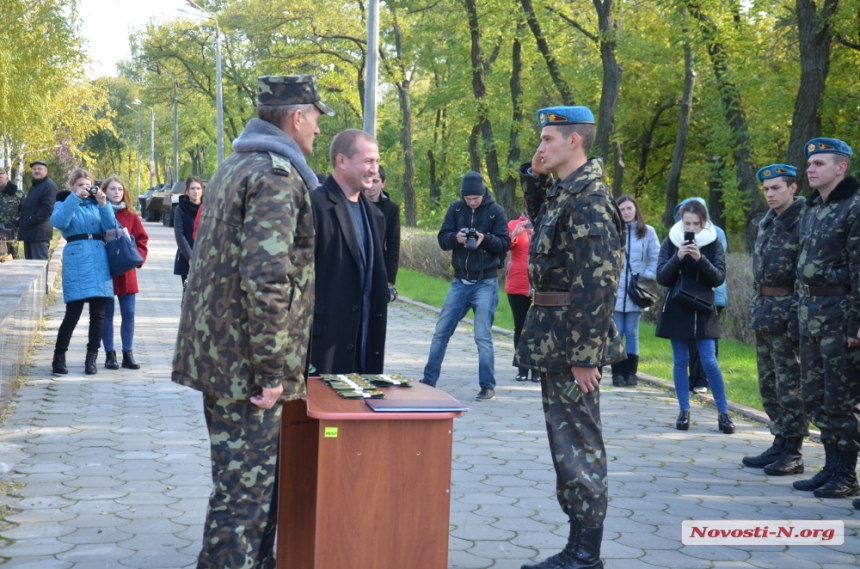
[771, 315]
[828, 307]
[569, 334]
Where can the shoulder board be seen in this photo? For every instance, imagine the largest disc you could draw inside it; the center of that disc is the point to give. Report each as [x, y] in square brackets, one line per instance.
[280, 165]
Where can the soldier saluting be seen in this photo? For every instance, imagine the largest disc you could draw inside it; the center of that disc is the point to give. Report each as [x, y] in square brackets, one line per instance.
[828, 282]
[774, 268]
[575, 261]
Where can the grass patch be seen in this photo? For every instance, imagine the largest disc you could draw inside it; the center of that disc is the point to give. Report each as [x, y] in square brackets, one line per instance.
[737, 359]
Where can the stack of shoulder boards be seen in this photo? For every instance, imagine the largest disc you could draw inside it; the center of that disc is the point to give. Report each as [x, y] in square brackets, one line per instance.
[387, 380]
[352, 386]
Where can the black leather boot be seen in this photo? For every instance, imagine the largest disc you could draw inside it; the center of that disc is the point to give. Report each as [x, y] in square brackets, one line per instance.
[843, 483]
[790, 461]
[110, 360]
[768, 456]
[619, 373]
[128, 361]
[581, 552]
[90, 364]
[820, 479]
[632, 368]
[58, 366]
[725, 424]
[683, 421]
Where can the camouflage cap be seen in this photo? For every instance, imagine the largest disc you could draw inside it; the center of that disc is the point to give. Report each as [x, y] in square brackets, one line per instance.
[290, 90]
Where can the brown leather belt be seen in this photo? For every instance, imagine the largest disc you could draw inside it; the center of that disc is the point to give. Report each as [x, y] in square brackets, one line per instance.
[775, 290]
[550, 298]
[836, 290]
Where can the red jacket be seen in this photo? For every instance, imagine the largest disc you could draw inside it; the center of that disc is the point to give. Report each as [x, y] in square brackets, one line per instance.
[127, 283]
[517, 270]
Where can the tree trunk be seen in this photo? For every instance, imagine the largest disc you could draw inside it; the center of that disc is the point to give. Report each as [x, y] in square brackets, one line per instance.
[546, 53]
[609, 28]
[511, 182]
[476, 163]
[684, 115]
[647, 142]
[618, 180]
[816, 35]
[409, 202]
[503, 196]
[434, 193]
[715, 192]
[734, 113]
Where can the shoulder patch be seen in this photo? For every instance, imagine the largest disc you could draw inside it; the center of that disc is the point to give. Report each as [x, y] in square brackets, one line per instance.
[280, 165]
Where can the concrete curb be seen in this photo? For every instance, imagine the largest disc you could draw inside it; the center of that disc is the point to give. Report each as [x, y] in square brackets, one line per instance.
[742, 410]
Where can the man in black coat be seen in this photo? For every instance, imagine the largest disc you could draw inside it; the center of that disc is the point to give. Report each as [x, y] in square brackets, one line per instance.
[391, 212]
[36, 229]
[351, 308]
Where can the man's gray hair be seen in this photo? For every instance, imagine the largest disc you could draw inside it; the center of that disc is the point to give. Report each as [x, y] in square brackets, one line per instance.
[278, 115]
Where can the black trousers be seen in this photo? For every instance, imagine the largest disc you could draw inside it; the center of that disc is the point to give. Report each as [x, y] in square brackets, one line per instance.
[520, 305]
[36, 250]
[70, 320]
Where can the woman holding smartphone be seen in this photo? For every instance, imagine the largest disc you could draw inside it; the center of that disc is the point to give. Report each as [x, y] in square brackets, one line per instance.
[692, 251]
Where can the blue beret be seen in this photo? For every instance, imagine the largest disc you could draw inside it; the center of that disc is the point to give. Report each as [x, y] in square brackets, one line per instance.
[827, 146]
[564, 115]
[776, 171]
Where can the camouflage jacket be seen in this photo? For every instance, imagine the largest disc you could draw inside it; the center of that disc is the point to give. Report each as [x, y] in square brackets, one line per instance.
[11, 199]
[247, 311]
[830, 256]
[577, 247]
[774, 265]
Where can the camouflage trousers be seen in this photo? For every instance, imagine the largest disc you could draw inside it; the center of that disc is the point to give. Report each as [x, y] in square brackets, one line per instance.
[779, 383]
[578, 455]
[241, 520]
[831, 388]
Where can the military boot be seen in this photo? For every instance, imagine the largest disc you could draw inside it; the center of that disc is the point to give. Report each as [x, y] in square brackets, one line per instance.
[632, 368]
[90, 363]
[619, 373]
[768, 456]
[843, 483]
[581, 552]
[58, 366]
[110, 360]
[830, 459]
[790, 461]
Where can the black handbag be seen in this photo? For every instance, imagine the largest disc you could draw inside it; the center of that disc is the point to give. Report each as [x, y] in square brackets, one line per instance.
[693, 294]
[122, 252]
[641, 290]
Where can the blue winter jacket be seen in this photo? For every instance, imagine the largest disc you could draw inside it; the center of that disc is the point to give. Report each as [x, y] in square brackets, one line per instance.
[85, 264]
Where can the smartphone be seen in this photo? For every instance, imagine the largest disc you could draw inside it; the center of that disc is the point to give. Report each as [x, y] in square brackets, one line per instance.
[689, 236]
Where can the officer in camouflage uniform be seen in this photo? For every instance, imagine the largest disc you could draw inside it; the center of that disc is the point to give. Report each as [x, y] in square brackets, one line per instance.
[774, 264]
[11, 199]
[828, 284]
[243, 334]
[575, 261]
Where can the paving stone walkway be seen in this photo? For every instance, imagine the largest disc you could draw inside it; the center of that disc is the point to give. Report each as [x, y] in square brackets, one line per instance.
[114, 470]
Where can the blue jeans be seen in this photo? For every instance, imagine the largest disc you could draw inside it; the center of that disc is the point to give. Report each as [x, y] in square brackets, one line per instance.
[708, 357]
[483, 298]
[627, 324]
[126, 330]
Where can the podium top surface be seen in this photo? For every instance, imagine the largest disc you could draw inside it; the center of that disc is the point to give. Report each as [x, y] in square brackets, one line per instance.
[323, 403]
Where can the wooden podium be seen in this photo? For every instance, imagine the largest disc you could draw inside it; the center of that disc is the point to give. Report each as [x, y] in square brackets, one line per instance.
[360, 489]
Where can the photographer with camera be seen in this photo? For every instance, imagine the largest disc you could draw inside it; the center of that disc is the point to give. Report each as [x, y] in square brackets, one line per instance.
[82, 214]
[475, 231]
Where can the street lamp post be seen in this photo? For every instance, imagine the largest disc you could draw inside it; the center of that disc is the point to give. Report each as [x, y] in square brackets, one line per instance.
[151, 146]
[371, 67]
[202, 13]
[138, 147]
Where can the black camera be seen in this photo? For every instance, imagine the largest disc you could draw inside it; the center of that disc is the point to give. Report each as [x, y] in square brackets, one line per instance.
[471, 239]
[92, 190]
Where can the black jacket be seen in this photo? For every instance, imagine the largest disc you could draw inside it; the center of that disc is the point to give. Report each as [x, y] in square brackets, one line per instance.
[36, 211]
[183, 231]
[391, 242]
[676, 320]
[488, 218]
[338, 309]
